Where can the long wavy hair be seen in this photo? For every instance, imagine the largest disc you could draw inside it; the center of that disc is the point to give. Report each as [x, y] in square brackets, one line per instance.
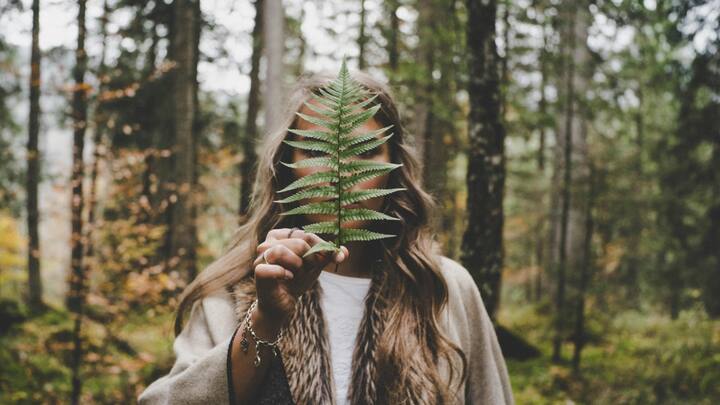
[409, 346]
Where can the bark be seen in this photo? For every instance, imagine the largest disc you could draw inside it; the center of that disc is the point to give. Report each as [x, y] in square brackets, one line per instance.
[160, 182]
[247, 173]
[392, 34]
[482, 241]
[430, 124]
[504, 72]
[76, 293]
[586, 270]
[540, 245]
[362, 37]
[424, 89]
[632, 289]
[273, 44]
[182, 242]
[34, 297]
[573, 162]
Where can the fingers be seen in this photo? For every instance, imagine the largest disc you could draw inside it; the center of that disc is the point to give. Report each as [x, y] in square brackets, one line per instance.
[288, 252]
[279, 253]
[272, 272]
[281, 233]
[299, 246]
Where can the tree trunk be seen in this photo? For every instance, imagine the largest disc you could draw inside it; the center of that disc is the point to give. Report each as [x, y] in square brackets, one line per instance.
[247, 177]
[540, 243]
[586, 270]
[566, 165]
[34, 297]
[362, 38]
[274, 45]
[99, 152]
[392, 35]
[504, 72]
[76, 293]
[160, 160]
[631, 284]
[182, 243]
[482, 241]
[575, 20]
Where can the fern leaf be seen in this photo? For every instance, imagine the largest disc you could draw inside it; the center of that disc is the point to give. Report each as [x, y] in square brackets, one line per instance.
[349, 235]
[323, 246]
[319, 146]
[347, 182]
[314, 208]
[358, 166]
[312, 180]
[366, 136]
[327, 227]
[317, 121]
[324, 192]
[313, 162]
[363, 214]
[361, 195]
[339, 109]
[319, 135]
[362, 148]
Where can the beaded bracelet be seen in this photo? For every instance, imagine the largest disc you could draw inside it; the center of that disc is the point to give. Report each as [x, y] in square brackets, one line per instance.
[244, 344]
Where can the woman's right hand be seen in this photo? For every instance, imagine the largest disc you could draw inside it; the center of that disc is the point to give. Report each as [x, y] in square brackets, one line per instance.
[280, 283]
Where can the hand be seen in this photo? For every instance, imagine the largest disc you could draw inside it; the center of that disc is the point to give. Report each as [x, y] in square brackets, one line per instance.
[280, 283]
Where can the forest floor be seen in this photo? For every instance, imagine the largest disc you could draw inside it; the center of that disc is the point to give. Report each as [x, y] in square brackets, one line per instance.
[632, 358]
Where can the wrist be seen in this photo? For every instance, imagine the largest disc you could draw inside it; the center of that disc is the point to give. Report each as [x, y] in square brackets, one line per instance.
[267, 325]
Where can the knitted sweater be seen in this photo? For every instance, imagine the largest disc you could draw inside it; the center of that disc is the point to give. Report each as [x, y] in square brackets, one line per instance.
[200, 374]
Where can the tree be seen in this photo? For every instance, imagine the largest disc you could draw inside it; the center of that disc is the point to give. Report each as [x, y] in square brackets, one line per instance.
[273, 44]
[362, 37]
[77, 278]
[482, 241]
[571, 155]
[33, 165]
[183, 239]
[392, 35]
[251, 135]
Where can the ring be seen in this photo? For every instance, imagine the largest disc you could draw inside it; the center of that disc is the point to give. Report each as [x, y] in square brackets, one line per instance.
[295, 228]
[265, 257]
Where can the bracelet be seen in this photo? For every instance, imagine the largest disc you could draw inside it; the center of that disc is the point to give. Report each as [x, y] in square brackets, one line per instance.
[244, 344]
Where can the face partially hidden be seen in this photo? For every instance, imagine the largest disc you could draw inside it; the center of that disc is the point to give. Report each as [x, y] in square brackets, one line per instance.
[379, 154]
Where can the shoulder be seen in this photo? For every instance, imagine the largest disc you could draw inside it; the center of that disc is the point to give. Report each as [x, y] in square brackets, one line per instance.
[455, 274]
[461, 286]
[217, 312]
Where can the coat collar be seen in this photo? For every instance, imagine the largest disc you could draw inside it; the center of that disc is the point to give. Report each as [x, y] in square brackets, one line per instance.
[305, 349]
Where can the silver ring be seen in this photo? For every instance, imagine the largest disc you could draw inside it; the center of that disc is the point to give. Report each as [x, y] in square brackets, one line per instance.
[265, 257]
[291, 231]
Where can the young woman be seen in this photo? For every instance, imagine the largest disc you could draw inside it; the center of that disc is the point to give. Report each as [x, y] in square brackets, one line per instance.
[385, 322]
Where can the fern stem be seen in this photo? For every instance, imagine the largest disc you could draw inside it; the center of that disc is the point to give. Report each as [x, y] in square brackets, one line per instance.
[339, 171]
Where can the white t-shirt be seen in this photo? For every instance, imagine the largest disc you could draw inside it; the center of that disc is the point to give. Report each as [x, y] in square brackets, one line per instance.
[343, 304]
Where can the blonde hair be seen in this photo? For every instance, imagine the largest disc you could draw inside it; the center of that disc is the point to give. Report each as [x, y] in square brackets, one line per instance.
[411, 343]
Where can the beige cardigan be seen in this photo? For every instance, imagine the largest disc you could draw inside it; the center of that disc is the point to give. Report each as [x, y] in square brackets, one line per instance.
[200, 373]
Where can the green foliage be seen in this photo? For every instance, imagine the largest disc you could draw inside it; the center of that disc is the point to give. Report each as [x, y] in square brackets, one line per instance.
[342, 107]
[639, 358]
[119, 361]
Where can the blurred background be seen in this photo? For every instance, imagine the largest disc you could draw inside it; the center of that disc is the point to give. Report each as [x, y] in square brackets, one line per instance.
[573, 148]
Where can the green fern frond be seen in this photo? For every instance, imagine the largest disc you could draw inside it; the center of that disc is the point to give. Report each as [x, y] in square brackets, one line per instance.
[340, 108]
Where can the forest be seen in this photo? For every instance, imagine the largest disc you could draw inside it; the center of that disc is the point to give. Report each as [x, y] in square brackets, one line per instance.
[572, 147]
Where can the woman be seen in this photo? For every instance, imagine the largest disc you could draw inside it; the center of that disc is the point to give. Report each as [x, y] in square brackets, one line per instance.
[384, 322]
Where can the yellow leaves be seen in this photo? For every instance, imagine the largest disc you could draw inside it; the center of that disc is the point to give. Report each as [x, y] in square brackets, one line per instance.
[115, 94]
[149, 285]
[11, 243]
[610, 261]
